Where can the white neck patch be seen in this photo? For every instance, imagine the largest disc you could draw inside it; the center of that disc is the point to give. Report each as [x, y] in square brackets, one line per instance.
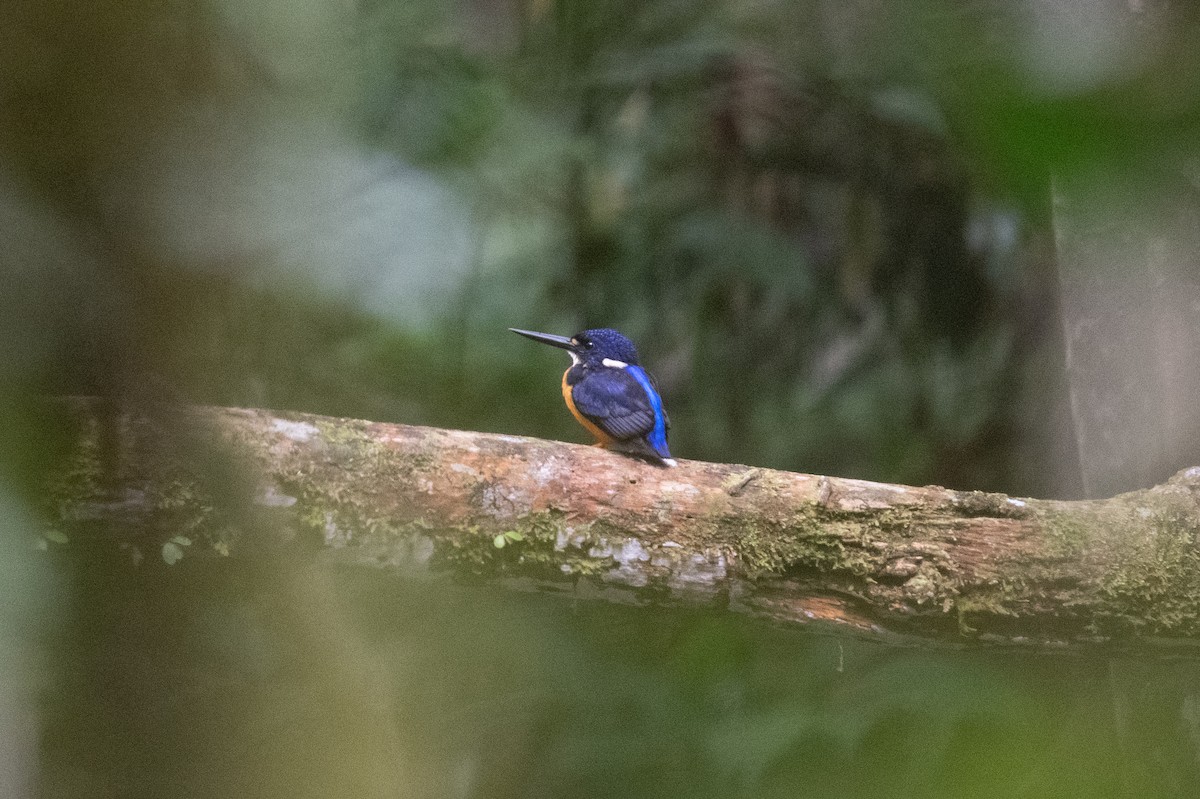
[614, 364]
[574, 358]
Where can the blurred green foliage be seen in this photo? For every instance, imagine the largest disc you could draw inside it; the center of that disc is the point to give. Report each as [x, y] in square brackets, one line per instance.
[825, 224]
[465, 692]
[826, 228]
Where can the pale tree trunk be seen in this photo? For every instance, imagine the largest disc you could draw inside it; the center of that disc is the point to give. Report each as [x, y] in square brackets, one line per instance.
[1128, 252]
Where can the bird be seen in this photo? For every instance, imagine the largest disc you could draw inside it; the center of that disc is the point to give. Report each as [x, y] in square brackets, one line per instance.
[610, 394]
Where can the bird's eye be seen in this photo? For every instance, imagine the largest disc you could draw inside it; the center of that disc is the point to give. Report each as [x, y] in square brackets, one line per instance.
[585, 342]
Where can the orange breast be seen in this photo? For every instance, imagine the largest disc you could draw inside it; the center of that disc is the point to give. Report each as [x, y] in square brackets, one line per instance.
[602, 438]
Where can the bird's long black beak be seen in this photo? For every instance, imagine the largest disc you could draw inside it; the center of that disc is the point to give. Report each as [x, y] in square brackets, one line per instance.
[562, 342]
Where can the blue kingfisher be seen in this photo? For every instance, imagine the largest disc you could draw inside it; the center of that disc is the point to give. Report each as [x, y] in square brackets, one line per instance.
[613, 397]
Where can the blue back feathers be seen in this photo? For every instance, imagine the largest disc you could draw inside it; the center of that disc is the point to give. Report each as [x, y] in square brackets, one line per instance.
[658, 436]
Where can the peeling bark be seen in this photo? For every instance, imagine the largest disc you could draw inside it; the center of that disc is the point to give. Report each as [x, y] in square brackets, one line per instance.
[868, 557]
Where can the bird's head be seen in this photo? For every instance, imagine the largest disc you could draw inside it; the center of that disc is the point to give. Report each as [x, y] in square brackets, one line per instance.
[590, 346]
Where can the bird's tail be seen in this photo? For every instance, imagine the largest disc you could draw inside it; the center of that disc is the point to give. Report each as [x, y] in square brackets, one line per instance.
[644, 449]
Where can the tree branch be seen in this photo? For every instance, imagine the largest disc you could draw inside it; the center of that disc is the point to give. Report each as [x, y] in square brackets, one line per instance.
[542, 515]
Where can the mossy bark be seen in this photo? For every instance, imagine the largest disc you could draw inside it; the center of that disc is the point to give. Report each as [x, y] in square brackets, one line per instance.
[873, 558]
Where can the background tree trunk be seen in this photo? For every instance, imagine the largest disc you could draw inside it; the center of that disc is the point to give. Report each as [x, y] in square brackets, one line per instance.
[1128, 251]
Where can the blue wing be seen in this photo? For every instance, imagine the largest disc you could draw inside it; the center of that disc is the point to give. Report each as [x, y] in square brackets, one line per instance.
[623, 402]
[615, 401]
